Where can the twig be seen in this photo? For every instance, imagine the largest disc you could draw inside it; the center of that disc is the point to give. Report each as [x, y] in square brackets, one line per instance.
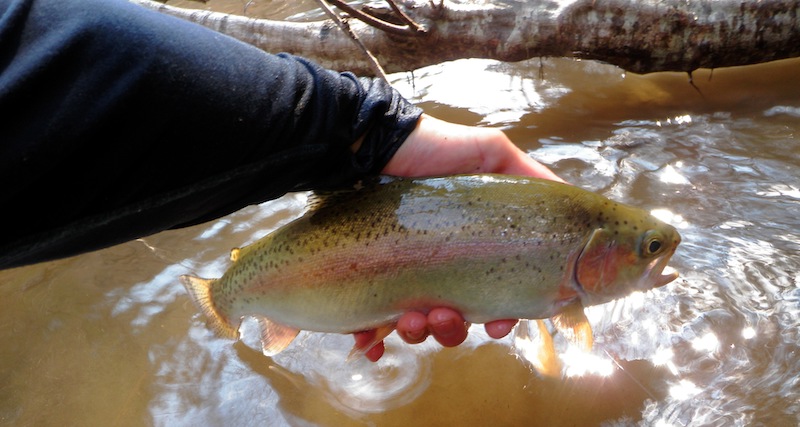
[691, 82]
[412, 28]
[344, 26]
[405, 18]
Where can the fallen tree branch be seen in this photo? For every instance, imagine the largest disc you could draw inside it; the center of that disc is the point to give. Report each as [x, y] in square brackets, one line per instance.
[639, 36]
[345, 27]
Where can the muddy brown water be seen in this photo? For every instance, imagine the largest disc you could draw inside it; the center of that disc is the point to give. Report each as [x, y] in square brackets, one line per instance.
[110, 338]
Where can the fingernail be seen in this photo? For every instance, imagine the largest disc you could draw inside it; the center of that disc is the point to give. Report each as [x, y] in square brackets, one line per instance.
[417, 334]
[446, 328]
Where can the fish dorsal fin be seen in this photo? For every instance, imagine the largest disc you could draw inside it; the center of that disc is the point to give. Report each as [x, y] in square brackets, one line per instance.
[320, 198]
[235, 254]
[572, 322]
[275, 337]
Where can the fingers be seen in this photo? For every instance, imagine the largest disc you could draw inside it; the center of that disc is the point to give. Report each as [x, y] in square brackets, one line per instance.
[412, 327]
[500, 328]
[365, 338]
[446, 325]
[437, 147]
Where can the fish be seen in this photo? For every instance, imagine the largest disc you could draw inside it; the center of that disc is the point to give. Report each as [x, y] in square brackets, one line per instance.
[489, 246]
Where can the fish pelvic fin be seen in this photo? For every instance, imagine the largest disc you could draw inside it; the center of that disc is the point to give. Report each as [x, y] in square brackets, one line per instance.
[275, 337]
[572, 322]
[200, 292]
[540, 353]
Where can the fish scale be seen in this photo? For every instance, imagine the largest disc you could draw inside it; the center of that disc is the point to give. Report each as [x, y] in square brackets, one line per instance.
[490, 246]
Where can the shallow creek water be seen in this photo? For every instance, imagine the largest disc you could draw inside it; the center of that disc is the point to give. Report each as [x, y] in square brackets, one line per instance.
[110, 337]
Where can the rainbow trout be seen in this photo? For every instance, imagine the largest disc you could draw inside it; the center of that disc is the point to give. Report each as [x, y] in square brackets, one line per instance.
[490, 246]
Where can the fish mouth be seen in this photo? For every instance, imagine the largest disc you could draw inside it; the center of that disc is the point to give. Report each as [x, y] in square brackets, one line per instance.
[658, 273]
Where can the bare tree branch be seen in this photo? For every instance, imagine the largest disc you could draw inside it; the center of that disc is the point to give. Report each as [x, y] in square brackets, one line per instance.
[410, 29]
[345, 27]
[418, 29]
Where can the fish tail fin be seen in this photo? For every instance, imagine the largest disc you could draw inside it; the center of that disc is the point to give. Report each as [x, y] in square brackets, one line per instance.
[275, 337]
[541, 353]
[200, 292]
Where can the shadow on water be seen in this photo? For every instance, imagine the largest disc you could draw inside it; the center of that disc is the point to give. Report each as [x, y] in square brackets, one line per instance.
[485, 385]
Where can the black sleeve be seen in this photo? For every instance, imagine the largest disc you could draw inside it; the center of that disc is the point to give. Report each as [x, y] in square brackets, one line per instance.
[117, 122]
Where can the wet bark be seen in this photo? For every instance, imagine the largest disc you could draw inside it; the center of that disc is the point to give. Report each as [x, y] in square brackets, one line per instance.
[639, 36]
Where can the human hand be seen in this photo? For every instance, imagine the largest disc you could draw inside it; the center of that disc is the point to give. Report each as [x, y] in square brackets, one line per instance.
[437, 147]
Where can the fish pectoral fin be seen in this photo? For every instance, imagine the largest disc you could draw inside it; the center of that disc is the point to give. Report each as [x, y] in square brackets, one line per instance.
[572, 322]
[381, 332]
[541, 353]
[275, 337]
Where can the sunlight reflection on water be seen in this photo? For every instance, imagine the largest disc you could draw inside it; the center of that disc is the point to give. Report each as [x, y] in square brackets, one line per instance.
[111, 338]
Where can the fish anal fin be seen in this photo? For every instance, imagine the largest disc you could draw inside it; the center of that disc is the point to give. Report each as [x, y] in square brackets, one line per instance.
[275, 337]
[381, 332]
[200, 292]
[575, 327]
[541, 353]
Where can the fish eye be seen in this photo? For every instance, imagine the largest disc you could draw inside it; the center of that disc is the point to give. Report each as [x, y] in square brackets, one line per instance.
[653, 243]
